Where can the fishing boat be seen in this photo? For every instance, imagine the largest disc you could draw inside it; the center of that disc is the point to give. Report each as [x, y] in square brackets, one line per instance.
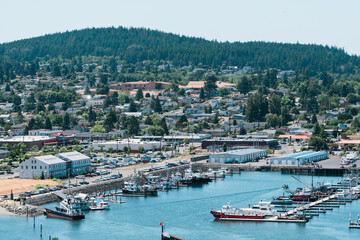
[100, 206]
[282, 200]
[68, 210]
[303, 194]
[261, 211]
[132, 189]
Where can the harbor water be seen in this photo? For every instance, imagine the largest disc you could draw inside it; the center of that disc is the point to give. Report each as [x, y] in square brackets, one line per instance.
[186, 214]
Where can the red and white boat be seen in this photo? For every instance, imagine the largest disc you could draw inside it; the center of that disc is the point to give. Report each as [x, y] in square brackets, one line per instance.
[261, 211]
[302, 195]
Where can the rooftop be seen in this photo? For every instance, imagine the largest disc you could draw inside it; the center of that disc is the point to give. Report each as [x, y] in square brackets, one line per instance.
[49, 159]
[73, 156]
[241, 151]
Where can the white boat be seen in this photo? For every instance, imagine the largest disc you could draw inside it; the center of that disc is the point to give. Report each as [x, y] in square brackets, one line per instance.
[225, 171]
[213, 174]
[100, 206]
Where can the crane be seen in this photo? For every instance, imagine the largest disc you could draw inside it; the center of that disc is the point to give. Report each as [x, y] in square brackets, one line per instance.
[301, 182]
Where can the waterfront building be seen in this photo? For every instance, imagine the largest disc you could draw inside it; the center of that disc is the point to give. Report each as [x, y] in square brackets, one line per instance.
[214, 144]
[76, 162]
[238, 156]
[298, 159]
[49, 166]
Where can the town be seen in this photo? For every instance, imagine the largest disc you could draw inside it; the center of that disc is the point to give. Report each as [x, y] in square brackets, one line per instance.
[137, 126]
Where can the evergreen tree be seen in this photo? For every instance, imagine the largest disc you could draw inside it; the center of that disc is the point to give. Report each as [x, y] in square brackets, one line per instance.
[133, 107]
[224, 147]
[210, 84]
[66, 122]
[243, 85]
[164, 126]
[139, 94]
[48, 124]
[91, 115]
[216, 118]
[202, 93]
[256, 108]
[156, 105]
[115, 99]
[7, 87]
[314, 118]
[275, 104]
[133, 125]
[148, 121]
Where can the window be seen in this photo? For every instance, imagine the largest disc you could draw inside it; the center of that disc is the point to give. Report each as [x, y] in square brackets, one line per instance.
[40, 167]
[26, 167]
[34, 167]
[22, 167]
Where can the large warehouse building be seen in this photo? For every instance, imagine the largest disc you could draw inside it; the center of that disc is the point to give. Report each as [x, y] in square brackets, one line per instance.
[238, 156]
[298, 159]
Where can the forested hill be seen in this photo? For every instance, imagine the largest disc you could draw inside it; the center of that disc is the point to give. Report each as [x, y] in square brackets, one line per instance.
[138, 44]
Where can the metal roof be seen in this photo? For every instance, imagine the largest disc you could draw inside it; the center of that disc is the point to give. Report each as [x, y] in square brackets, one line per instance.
[241, 151]
[301, 155]
[72, 156]
[49, 159]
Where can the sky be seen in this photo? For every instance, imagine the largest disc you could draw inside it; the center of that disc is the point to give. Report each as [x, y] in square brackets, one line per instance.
[326, 22]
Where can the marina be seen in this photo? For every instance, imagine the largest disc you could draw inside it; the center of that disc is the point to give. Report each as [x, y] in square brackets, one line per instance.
[186, 214]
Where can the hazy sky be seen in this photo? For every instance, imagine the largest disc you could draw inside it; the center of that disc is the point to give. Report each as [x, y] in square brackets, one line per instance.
[330, 22]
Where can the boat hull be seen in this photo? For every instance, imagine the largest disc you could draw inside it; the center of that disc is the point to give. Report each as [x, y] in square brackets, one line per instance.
[61, 215]
[126, 192]
[222, 216]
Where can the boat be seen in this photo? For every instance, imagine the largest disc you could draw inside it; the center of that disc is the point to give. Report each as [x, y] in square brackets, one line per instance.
[132, 189]
[68, 210]
[354, 224]
[282, 200]
[261, 211]
[193, 179]
[303, 194]
[100, 206]
[225, 171]
[213, 174]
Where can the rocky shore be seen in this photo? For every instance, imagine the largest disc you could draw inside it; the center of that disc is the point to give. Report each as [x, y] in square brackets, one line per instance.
[17, 209]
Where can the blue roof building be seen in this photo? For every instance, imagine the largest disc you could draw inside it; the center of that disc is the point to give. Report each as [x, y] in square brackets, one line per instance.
[238, 156]
[300, 158]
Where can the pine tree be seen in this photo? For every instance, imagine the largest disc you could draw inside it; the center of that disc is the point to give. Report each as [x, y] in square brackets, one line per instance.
[202, 94]
[48, 124]
[133, 107]
[139, 94]
[66, 122]
[164, 126]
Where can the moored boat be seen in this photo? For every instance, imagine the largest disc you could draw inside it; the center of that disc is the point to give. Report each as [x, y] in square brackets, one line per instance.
[354, 224]
[68, 210]
[261, 211]
[282, 200]
[100, 206]
[132, 189]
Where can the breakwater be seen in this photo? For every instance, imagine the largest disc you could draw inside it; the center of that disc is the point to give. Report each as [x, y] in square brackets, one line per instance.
[22, 210]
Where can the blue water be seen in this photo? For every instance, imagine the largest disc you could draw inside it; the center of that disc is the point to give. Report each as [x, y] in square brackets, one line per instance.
[186, 213]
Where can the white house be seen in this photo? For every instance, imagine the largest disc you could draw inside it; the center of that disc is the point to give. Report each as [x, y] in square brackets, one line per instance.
[49, 165]
[77, 162]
